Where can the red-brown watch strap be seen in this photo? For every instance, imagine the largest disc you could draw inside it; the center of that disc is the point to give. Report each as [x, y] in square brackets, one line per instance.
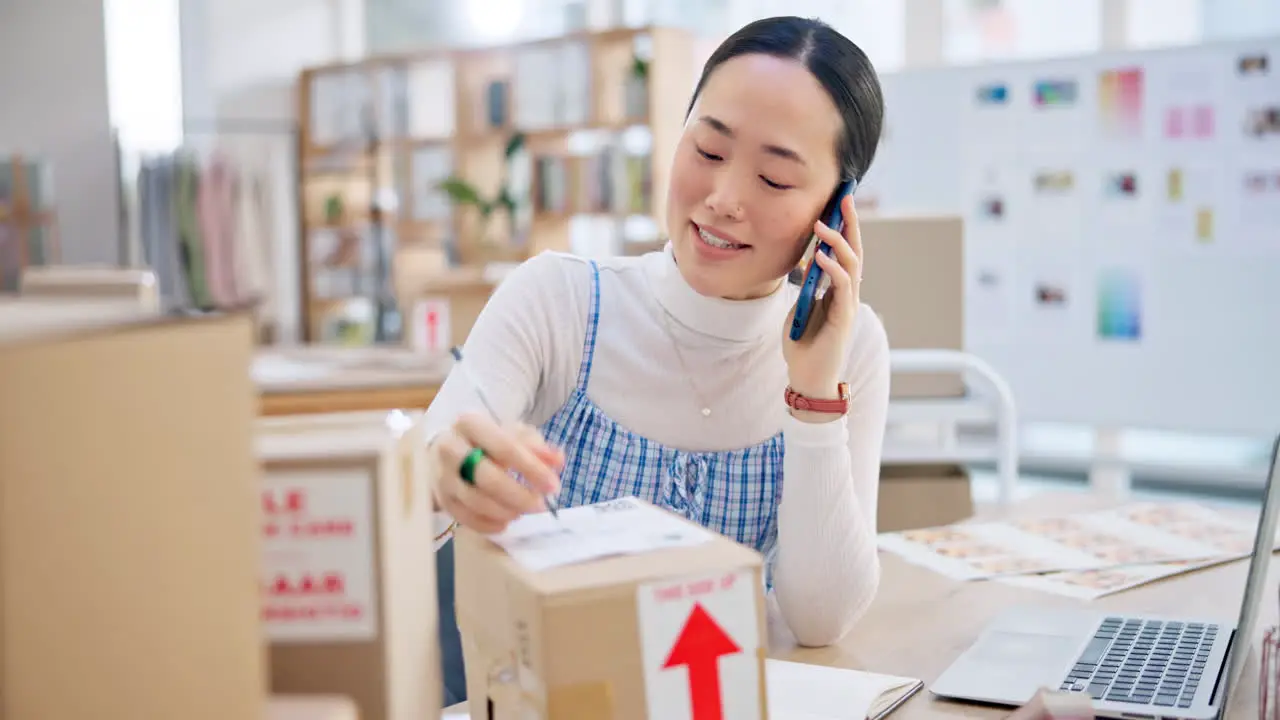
[838, 405]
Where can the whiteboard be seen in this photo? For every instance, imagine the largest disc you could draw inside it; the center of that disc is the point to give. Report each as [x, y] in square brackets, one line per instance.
[1122, 227]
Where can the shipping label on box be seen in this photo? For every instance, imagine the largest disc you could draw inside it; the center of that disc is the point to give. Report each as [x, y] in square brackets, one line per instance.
[318, 555]
[699, 637]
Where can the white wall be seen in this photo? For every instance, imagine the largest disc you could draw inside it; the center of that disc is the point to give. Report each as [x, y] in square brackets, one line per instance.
[255, 50]
[1237, 19]
[53, 81]
[241, 65]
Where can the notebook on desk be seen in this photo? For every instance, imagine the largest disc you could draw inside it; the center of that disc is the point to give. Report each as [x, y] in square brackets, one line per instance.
[798, 691]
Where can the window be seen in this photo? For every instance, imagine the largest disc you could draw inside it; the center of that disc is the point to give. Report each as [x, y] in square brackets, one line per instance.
[144, 73]
[992, 30]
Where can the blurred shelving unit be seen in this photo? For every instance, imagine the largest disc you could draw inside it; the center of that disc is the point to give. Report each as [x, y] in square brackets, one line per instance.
[485, 155]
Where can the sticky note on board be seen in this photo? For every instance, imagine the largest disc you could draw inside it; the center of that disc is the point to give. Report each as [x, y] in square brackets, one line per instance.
[1204, 225]
[1175, 185]
[617, 527]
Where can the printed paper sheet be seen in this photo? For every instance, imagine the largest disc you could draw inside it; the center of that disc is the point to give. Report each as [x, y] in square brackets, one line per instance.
[1137, 534]
[617, 527]
[1093, 584]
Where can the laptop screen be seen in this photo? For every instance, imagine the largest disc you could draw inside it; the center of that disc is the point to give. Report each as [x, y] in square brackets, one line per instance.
[1263, 546]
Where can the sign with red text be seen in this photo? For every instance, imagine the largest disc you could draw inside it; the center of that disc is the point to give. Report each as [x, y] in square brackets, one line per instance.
[317, 576]
[433, 332]
[700, 638]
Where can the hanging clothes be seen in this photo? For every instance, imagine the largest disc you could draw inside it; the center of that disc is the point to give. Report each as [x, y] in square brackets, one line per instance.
[205, 231]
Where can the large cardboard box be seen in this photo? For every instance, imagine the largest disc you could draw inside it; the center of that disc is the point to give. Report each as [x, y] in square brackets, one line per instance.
[128, 516]
[915, 282]
[349, 594]
[616, 611]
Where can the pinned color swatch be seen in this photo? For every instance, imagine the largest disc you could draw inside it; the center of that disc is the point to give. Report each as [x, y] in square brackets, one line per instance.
[1120, 102]
[1193, 122]
[1119, 305]
[1049, 93]
[993, 94]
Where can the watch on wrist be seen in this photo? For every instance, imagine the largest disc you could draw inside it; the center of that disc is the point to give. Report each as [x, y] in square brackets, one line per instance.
[838, 405]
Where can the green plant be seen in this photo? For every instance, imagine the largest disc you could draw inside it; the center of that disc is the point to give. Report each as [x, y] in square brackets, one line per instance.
[639, 67]
[463, 193]
[333, 209]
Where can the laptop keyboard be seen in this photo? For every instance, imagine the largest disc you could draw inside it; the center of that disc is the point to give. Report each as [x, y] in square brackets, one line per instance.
[1144, 662]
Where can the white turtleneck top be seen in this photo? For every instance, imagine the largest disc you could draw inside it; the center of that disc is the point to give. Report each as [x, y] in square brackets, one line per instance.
[526, 346]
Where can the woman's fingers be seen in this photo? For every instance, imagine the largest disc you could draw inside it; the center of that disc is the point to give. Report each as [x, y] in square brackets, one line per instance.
[506, 449]
[553, 457]
[853, 235]
[837, 301]
[840, 280]
[466, 503]
[846, 247]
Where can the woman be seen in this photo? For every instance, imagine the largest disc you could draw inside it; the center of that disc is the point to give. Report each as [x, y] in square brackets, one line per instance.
[664, 376]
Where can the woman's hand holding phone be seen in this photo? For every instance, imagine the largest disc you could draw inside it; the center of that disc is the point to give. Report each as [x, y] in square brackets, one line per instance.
[815, 361]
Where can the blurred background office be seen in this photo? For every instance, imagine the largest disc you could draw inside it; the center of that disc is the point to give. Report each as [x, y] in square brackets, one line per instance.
[1132, 353]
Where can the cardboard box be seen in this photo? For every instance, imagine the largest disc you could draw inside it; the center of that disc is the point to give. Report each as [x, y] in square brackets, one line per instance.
[90, 282]
[349, 603]
[314, 379]
[311, 707]
[915, 283]
[917, 496]
[128, 519]
[441, 308]
[677, 630]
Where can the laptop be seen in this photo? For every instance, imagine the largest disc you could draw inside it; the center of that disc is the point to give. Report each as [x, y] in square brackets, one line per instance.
[1131, 665]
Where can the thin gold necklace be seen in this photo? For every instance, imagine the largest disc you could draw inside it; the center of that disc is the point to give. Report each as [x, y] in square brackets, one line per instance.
[702, 400]
[704, 406]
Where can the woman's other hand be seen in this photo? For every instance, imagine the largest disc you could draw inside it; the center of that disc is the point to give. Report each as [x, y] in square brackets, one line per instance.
[487, 496]
[1049, 705]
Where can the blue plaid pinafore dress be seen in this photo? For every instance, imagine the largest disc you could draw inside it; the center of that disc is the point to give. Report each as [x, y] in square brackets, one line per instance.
[734, 492]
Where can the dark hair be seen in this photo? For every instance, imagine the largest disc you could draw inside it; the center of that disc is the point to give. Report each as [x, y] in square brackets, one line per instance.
[841, 66]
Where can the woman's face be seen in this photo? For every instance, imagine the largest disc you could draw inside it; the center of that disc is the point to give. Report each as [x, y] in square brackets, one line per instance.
[753, 170]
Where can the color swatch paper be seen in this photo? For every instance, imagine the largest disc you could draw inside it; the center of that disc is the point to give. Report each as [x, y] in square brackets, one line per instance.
[1120, 102]
[1049, 93]
[1119, 305]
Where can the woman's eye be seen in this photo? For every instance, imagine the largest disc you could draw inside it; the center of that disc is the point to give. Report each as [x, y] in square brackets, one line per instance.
[707, 155]
[774, 185]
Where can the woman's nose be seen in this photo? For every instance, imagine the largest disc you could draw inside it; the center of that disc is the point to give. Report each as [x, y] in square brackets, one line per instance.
[725, 201]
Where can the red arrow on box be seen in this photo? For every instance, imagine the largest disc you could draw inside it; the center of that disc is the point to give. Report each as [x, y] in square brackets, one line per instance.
[699, 647]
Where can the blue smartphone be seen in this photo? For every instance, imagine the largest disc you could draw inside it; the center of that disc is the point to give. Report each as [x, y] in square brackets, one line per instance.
[813, 275]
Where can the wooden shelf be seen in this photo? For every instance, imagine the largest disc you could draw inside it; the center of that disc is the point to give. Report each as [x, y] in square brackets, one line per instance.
[597, 141]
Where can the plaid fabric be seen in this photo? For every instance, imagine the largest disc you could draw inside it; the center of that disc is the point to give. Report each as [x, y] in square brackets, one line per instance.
[733, 492]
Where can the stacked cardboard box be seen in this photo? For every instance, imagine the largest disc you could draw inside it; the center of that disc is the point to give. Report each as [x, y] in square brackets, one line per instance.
[349, 594]
[915, 283]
